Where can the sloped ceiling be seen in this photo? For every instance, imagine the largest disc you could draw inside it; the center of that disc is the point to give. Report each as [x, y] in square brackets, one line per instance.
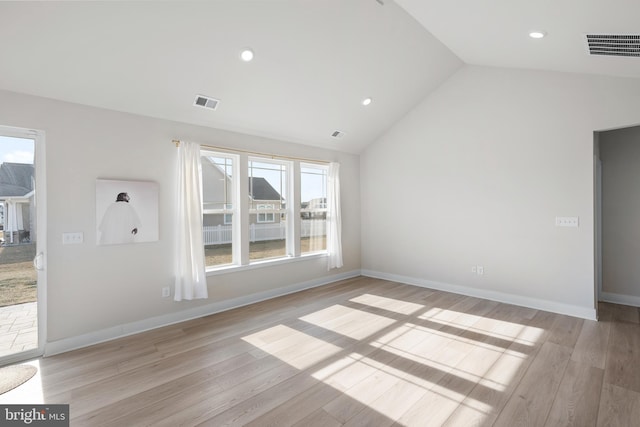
[315, 61]
[495, 32]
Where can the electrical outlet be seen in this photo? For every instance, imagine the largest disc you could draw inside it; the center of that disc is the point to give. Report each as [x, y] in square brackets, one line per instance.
[480, 270]
[474, 269]
[72, 238]
[166, 292]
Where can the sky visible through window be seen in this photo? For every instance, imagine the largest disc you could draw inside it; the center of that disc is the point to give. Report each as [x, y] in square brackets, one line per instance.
[313, 184]
[16, 150]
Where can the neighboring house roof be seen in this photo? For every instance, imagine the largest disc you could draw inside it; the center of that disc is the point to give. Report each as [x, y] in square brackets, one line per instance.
[16, 179]
[262, 190]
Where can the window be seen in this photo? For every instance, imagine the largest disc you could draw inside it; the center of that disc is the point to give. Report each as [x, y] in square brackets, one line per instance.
[268, 181]
[313, 208]
[265, 217]
[248, 210]
[217, 207]
[228, 218]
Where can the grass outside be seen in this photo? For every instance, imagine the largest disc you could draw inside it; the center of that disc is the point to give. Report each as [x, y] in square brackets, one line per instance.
[18, 280]
[221, 254]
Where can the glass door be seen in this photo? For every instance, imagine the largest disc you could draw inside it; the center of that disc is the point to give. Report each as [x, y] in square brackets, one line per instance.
[21, 254]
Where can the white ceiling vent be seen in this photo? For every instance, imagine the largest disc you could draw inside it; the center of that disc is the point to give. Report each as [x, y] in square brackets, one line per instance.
[614, 44]
[337, 134]
[206, 102]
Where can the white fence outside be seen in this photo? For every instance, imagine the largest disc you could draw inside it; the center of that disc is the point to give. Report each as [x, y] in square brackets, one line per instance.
[221, 234]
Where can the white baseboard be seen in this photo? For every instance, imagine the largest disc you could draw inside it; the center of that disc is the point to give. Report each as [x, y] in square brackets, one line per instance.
[124, 330]
[538, 304]
[620, 299]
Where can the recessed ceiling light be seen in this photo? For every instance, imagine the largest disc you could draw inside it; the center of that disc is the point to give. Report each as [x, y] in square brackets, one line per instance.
[537, 34]
[367, 101]
[246, 55]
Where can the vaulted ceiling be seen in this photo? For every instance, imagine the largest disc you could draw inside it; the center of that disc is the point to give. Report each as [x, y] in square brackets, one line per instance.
[315, 61]
[496, 32]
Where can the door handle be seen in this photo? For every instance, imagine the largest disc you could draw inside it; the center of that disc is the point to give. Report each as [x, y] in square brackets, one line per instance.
[38, 263]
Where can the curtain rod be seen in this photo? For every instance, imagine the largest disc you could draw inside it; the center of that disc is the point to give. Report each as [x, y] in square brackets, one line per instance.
[271, 156]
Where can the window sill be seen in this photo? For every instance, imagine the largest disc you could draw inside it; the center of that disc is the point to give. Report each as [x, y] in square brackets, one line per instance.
[215, 271]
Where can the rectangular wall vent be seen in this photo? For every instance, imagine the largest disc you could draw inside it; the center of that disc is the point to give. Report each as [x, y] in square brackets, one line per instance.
[614, 44]
[206, 102]
[337, 134]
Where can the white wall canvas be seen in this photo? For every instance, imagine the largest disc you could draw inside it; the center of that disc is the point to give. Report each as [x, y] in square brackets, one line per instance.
[126, 212]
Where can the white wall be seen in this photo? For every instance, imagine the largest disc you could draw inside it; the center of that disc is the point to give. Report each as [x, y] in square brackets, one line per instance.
[620, 155]
[477, 173]
[93, 290]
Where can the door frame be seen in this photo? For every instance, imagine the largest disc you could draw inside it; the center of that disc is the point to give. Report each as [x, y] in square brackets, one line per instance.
[38, 137]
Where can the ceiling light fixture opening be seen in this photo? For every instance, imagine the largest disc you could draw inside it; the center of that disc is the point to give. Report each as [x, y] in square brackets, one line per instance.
[537, 34]
[367, 101]
[246, 55]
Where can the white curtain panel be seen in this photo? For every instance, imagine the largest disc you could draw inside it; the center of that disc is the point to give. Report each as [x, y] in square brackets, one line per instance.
[191, 279]
[334, 223]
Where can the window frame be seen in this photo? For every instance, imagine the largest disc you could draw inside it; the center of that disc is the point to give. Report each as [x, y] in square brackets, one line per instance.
[242, 210]
[323, 205]
[225, 211]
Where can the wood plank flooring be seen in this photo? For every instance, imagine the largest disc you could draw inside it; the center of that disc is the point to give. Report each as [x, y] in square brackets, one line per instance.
[361, 352]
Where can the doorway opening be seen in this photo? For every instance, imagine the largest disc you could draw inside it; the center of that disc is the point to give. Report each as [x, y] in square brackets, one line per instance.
[617, 215]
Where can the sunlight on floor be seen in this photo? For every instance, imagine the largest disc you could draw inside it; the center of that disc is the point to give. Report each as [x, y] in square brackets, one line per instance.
[389, 304]
[298, 349]
[347, 321]
[417, 361]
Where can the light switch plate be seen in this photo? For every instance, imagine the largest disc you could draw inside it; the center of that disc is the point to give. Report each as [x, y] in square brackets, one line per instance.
[72, 238]
[567, 221]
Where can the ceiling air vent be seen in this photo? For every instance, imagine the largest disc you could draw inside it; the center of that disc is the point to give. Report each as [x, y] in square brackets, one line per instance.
[337, 134]
[614, 44]
[206, 102]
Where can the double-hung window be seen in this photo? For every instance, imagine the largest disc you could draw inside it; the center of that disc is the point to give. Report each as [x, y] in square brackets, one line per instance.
[218, 206]
[268, 194]
[313, 208]
[257, 208]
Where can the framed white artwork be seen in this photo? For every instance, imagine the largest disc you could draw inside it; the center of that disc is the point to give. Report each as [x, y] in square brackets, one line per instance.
[126, 212]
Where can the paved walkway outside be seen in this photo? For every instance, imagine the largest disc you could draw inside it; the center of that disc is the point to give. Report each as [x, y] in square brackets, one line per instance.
[18, 328]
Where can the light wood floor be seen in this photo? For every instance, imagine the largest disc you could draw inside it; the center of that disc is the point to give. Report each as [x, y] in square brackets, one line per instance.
[362, 352]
